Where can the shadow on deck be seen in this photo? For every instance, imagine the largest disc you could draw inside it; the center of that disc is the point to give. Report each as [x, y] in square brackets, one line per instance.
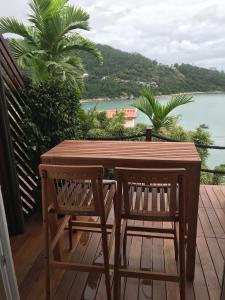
[154, 254]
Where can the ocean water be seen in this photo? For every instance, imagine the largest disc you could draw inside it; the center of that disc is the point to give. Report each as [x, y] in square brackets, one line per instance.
[207, 108]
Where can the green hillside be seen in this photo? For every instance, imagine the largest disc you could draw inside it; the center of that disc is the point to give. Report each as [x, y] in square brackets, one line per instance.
[125, 73]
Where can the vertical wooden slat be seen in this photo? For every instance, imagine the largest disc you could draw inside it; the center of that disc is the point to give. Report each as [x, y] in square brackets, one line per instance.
[14, 160]
[8, 175]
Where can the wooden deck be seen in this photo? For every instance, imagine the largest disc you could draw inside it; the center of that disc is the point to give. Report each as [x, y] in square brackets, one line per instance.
[154, 254]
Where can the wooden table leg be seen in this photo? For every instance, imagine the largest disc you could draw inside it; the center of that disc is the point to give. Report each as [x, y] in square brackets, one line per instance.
[193, 199]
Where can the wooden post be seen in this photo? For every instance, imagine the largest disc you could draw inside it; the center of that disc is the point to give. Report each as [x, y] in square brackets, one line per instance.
[148, 134]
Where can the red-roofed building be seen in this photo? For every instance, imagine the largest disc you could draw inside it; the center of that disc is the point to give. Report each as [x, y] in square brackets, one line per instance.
[129, 113]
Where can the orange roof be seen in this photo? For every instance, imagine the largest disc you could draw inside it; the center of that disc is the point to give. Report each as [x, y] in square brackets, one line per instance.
[130, 113]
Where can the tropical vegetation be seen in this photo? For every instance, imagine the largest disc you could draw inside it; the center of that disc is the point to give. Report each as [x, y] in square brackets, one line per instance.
[51, 115]
[49, 47]
[158, 113]
[124, 74]
[95, 124]
[55, 58]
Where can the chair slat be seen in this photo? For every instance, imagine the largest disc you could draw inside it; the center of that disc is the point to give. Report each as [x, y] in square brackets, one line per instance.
[131, 196]
[146, 195]
[162, 199]
[154, 199]
[138, 198]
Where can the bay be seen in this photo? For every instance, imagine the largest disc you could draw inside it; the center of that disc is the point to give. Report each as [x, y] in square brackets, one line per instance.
[207, 108]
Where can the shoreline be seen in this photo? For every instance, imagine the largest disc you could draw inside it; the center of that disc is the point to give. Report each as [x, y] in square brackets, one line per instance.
[158, 96]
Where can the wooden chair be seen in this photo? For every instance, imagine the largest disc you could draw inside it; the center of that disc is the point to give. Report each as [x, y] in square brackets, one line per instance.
[71, 191]
[149, 195]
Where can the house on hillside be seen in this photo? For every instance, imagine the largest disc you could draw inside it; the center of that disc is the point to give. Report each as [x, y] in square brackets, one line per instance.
[130, 115]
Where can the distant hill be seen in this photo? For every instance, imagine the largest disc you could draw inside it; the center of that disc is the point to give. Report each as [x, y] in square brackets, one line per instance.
[125, 73]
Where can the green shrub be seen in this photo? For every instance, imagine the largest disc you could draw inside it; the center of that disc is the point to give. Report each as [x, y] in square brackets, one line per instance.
[219, 178]
[51, 116]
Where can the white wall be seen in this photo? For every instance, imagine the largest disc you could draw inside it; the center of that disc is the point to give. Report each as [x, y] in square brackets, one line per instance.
[8, 282]
[2, 289]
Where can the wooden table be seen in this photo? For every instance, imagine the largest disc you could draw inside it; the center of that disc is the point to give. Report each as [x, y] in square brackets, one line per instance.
[112, 154]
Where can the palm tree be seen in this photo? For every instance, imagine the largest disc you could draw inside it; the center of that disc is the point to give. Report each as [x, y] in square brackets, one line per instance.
[159, 113]
[49, 43]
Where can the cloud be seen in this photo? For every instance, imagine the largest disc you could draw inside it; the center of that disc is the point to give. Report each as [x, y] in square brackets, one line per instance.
[169, 31]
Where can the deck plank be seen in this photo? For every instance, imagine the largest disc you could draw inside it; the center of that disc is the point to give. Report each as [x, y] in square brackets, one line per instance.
[153, 254]
[132, 284]
[220, 195]
[206, 225]
[217, 257]
[159, 287]
[213, 219]
[146, 286]
[172, 288]
[208, 269]
[212, 196]
[199, 284]
[204, 197]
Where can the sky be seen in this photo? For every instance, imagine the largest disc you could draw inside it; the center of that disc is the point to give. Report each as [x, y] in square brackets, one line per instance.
[169, 31]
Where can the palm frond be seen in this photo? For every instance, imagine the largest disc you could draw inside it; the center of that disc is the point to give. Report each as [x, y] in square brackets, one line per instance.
[58, 21]
[46, 16]
[144, 106]
[176, 101]
[76, 42]
[157, 112]
[74, 18]
[76, 62]
[39, 70]
[11, 25]
[56, 6]
[148, 94]
[22, 52]
[36, 16]
[66, 71]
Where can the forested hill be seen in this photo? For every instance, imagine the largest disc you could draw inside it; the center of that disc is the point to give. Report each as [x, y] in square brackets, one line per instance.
[125, 73]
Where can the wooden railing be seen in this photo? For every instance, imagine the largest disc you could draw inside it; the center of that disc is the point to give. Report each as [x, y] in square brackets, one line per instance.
[148, 135]
[11, 82]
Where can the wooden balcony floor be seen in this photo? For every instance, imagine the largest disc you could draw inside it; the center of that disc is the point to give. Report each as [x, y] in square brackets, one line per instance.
[154, 254]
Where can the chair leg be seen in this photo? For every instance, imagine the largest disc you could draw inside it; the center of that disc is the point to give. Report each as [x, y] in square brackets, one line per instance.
[125, 247]
[47, 266]
[106, 262]
[182, 260]
[47, 281]
[70, 234]
[175, 243]
[53, 223]
[116, 286]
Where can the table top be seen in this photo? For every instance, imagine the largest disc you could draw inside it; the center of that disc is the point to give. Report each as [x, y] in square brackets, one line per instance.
[121, 153]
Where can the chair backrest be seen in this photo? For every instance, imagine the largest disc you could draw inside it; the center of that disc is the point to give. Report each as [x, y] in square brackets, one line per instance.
[74, 190]
[150, 192]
